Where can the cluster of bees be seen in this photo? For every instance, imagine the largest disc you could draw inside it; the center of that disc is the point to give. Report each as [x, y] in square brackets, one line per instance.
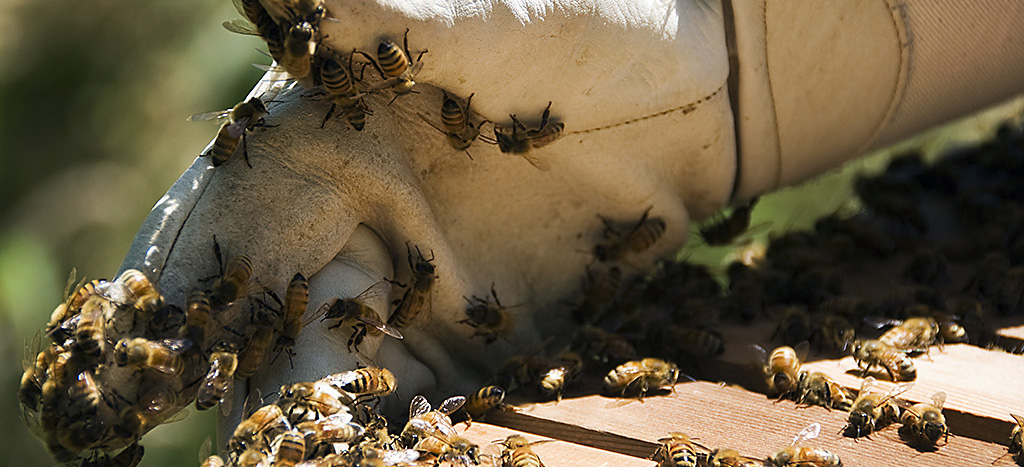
[334, 422]
[946, 289]
[291, 31]
[678, 450]
[121, 360]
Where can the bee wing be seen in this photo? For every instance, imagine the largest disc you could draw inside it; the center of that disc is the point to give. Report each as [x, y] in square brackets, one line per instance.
[381, 326]
[451, 404]
[418, 406]
[319, 314]
[757, 355]
[176, 344]
[866, 386]
[812, 431]
[879, 322]
[252, 403]
[899, 389]
[400, 457]
[802, 350]
[540, 164]
[379, 289]
[212, 115]
[237, 129]
[31, 350]
[205, 450]
[241, 26]
[229, 395]
[239, 7]
[938, 399]
[67, 286]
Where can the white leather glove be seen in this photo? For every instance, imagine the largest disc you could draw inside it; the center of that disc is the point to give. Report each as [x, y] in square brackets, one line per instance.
[643, 90]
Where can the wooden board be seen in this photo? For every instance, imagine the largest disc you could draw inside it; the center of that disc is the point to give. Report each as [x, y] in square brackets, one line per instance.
[720, 417]
[982, 387]
[554, 454]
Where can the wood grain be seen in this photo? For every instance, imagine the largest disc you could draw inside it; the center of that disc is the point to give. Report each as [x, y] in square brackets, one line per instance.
[720, 417]
[553, 454]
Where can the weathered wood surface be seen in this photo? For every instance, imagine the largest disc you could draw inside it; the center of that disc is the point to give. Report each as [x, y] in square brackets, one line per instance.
[728, 417]
[553, 454]
[982, 386]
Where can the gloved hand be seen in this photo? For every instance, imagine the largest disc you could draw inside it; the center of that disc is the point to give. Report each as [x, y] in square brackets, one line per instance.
[651, 121]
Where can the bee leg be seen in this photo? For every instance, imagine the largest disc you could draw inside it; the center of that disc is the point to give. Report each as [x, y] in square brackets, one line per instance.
[328, 116]
[245, 152]
[544, 117]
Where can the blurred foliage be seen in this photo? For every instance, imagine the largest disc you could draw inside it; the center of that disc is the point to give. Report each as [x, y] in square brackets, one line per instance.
[95, 96]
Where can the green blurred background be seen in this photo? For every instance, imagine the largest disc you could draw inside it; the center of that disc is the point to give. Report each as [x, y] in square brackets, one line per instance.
[94, 97]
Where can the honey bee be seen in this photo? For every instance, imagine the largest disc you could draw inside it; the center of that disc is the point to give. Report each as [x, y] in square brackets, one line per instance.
[457, 128]
[321, 397]
[396, 66]
[817, 388]
[724, 231]
[453, 449]
[90, 335]
[130, 456]
[164, 355]
[250, 359]
[647, 374]
[255, 429]
[339, 81]
[804, 456]
[252, 457]
[296, 300]
[84, 396]
[871, 353]
[1017, 436]
[731, 458]
[369, 381]
[925, 421]
[299, 46]
[490, 319]
[146, 298]
[334, 428]
[485, 399]
[197, 318]
[424, 422]
[517, 452]
[676, 451]
[873, 410]
[72, 302]
[356, 312]
[34, 364]
[417, 296]
[563, 371]
[645, 233]
[794, 326]
[288, 448]
[833, 330]
[781, 368]
[244, 116]
[218, 383]
[914, 335]
[597, 345]
[700, 342]
[600, 289]
[518, 139]
[233, 284]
